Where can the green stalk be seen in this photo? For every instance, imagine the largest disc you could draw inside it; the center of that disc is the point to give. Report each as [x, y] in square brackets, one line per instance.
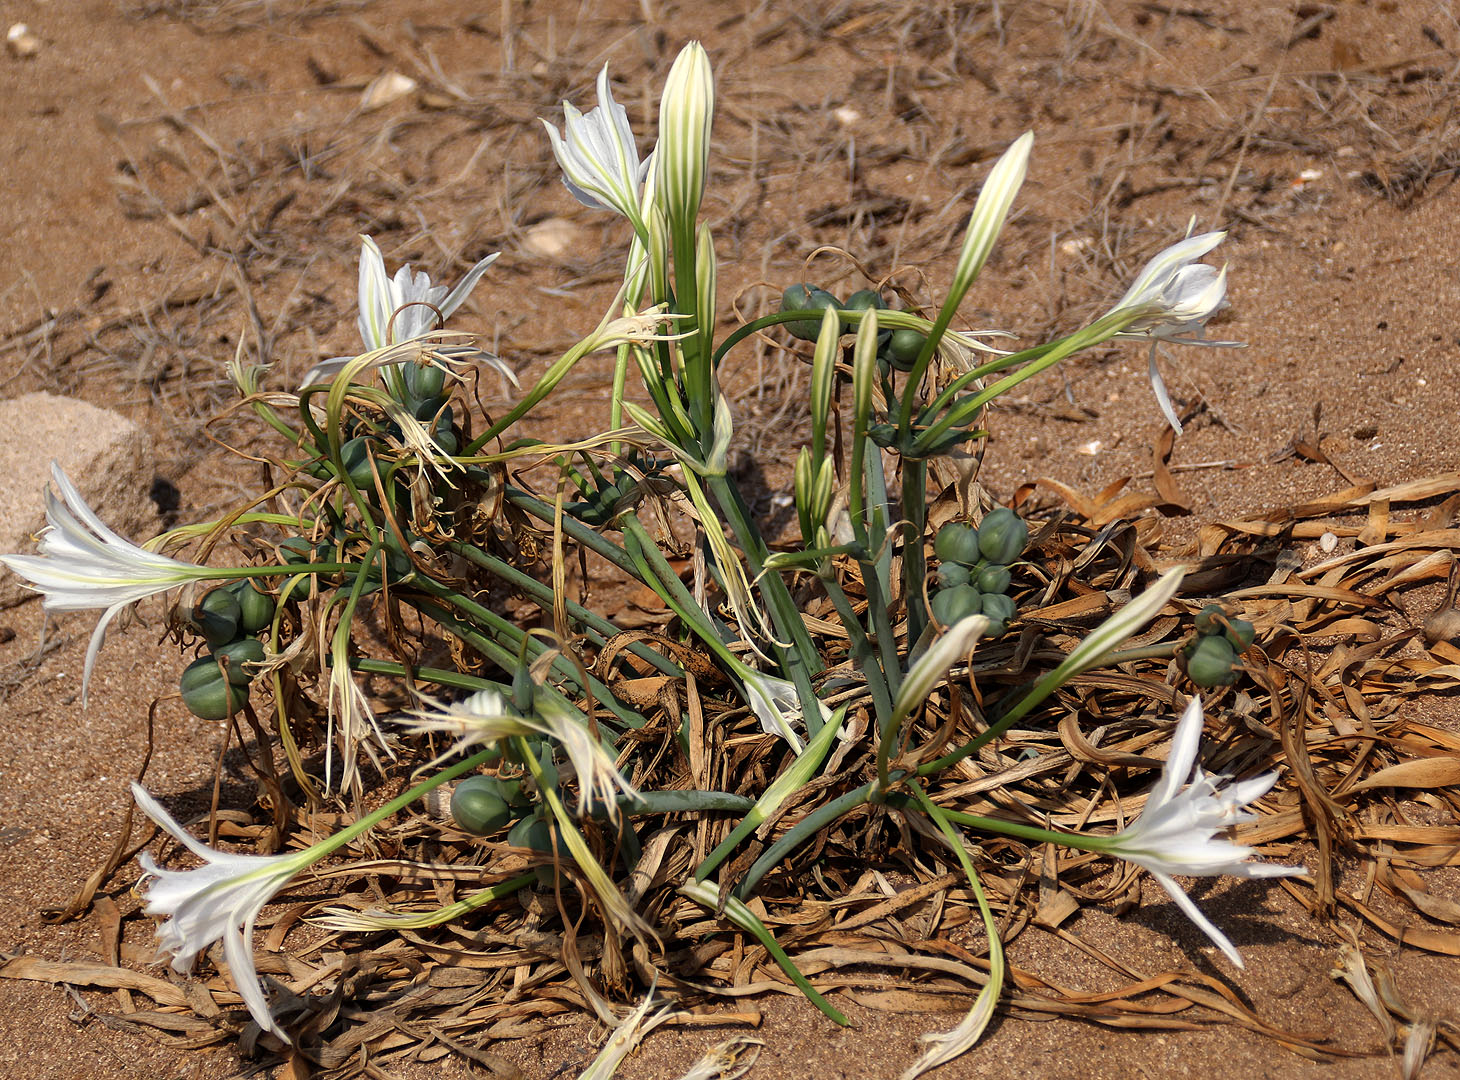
[914, 563]
[802, 659]
[598, 628]
[574, 528]
[872, 668]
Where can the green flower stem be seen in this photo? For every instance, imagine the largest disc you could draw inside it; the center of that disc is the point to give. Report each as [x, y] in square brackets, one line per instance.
[616, 401]
[1017, 829]
[400, 802]
[914, 562]
[803, 659]
[555, 374]
[1041, 690]
[574, 528]
[507, 659]
[871, 667]
[599, 629]
[698, 375]
[438, 676]
[1101, 330]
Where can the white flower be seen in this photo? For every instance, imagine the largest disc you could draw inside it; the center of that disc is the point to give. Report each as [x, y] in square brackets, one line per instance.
[84, 565]
[598, 156]
[1176, 832]
[1173, 297]
[410, 298]
[486, 717]
[218, 901]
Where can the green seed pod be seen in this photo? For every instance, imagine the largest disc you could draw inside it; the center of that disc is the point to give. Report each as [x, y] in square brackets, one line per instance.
[865, 300]
[477, 805]
[1211, 662]
[1240, 634]
[536, 833]
[904, 347]
[423, 381]
[510, 788]
[884, 435]
[206, 693]
[1000, 610]
[243, 651]
[956, 603]
[296, 549]
[806, 298]
[1002, 535]
[951, 574]
[216, 617]
[1209, 619]
[957, 542]
[255, 606]
[355, 455]
[993, 578]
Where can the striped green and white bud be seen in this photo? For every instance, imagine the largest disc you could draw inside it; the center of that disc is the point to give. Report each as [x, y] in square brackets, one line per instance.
[686, 112]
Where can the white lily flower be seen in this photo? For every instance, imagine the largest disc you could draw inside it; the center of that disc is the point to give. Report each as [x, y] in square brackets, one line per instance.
[486, 717]
[598, 156]
[409, 298]
[85, 565]
[218, 901]
[1175, 296]
[1176, 832]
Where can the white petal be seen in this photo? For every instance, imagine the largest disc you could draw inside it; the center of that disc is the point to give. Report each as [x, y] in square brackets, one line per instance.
[1187, 905]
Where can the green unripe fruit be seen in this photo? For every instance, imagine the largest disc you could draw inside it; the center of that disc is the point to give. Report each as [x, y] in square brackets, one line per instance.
[993, 578]
[904, 347]
[1209, 619]
[957, 542]
[806, 298]
[1211, 662]
[865, 300]
[423, 381]
[355, 456]
[999, 609]
[1240, 634]
[951, 574]
[217, 616]
[1002, 535]
[207, 694]
[255, 607]
[477, 805]
[536, 833]
[296, 549]
[511, 791]
[956, 603]
[243, 651]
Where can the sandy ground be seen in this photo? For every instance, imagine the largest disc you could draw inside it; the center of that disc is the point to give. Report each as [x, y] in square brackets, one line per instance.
[167, 165]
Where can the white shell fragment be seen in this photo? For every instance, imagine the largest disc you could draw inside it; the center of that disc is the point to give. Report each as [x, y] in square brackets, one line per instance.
[384, 89]
[21, 41]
